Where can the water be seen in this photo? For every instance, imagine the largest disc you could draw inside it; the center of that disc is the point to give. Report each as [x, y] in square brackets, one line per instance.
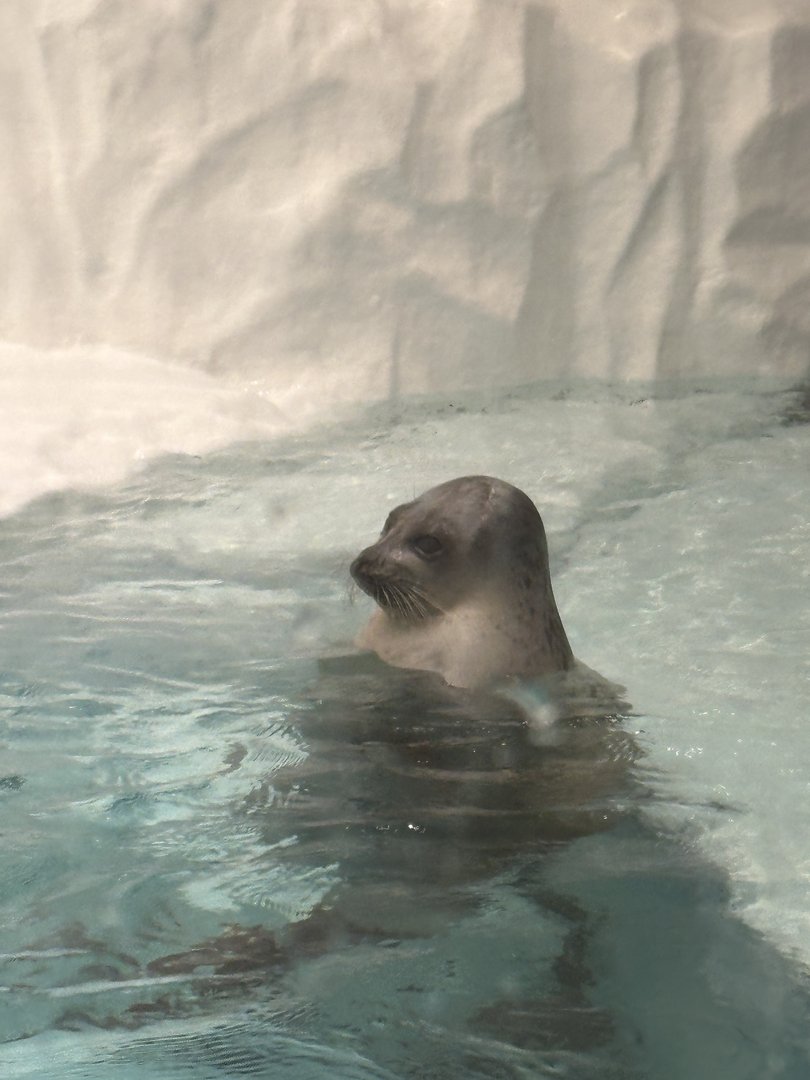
[224, 857]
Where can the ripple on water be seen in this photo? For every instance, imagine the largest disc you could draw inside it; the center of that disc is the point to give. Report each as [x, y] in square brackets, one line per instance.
[185, 809]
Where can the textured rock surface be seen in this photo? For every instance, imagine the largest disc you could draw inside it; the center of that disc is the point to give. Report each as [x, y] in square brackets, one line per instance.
[427, 194]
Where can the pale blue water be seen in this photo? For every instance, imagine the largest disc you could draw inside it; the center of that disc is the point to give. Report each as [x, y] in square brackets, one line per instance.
[220, 859]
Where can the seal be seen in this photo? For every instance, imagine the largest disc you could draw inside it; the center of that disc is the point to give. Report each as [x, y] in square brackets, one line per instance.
[461, 579]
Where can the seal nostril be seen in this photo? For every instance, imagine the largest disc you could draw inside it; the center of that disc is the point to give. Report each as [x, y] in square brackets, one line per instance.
[361, 573]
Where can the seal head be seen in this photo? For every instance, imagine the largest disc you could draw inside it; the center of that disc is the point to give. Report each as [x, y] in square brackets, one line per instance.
[460, 576]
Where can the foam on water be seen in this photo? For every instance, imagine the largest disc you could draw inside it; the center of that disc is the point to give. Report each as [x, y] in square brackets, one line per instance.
[159, 643]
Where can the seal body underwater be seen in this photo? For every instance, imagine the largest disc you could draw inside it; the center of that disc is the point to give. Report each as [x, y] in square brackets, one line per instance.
[461, 579]
[415, 801]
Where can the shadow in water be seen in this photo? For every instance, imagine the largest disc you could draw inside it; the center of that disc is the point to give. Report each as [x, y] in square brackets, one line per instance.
[436, 809]
[500, 906]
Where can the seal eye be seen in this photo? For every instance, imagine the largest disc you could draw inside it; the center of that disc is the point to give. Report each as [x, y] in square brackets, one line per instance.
[427, 546]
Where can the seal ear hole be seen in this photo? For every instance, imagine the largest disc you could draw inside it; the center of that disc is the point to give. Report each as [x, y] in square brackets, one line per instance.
[427, 546]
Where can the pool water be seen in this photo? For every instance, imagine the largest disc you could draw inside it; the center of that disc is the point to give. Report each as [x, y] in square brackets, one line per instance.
[230, 851]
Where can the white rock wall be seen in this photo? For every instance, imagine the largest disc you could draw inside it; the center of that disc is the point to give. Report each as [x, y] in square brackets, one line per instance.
[389, 196]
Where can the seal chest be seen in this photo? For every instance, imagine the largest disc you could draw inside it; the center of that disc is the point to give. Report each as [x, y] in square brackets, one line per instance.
[460, 576]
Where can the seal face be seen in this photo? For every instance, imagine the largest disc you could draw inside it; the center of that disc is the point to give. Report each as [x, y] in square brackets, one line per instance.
[460, 576]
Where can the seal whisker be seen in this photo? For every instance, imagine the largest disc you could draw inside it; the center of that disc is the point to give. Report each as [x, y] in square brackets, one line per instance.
[395, 599]
[414, 603]
[417, 605]
[399, 604]
[424, 606]
[406, 603]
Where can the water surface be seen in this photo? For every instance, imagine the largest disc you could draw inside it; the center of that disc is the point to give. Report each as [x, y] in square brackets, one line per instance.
[221, 858]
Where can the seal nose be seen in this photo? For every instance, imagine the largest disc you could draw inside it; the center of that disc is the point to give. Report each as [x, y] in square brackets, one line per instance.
[361, 571]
